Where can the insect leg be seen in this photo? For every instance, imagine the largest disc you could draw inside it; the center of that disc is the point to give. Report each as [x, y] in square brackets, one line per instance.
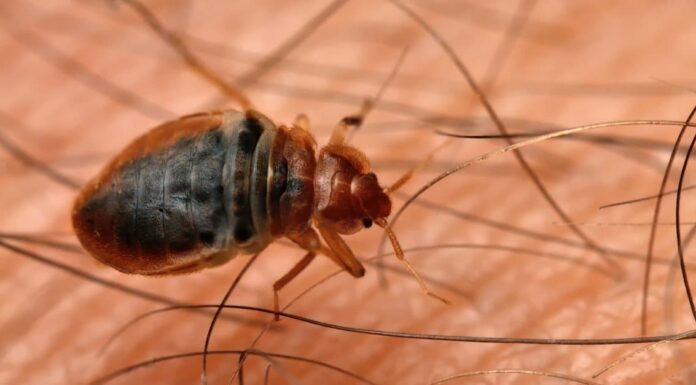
[340, 133]
[302, 121]
[341, 250]
[338, 136]
[310, 241]
[289, 276]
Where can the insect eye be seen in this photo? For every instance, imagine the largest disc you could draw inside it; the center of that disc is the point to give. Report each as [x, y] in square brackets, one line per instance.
[367, 222]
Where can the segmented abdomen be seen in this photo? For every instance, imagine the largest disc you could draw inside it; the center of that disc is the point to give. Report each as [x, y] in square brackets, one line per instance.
[189, 194]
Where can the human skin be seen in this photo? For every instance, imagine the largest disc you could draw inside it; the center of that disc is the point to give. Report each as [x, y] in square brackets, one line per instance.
[572, 64]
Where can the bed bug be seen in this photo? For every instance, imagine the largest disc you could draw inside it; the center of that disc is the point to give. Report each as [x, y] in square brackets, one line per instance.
[194, 192]
[197, 191]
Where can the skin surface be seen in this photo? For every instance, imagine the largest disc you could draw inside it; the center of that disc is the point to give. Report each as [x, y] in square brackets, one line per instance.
[83, 79]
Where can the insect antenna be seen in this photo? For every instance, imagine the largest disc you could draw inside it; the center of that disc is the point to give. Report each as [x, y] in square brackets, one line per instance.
[400, 255]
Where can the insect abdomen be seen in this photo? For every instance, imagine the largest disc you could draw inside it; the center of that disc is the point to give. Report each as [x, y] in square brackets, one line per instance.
[182, 197]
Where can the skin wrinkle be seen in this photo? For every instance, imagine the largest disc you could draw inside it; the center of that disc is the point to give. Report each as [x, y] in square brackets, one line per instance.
[600, 68]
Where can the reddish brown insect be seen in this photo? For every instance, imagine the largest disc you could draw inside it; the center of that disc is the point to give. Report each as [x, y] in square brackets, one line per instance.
[195, 192]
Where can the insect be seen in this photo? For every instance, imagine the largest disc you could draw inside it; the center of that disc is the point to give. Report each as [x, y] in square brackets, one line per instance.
[194, 192]
[508, 286]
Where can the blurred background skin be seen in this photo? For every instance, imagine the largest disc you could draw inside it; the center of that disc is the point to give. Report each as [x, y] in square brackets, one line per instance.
[81, 79]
